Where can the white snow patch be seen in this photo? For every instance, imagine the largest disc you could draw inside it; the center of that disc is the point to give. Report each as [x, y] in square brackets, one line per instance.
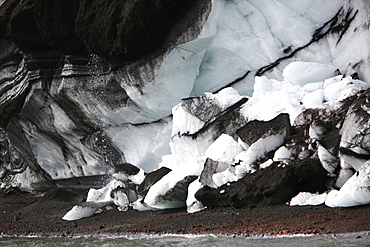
[356, 191]
[306, 198]
[327, 160]
[224, 149]
[301, 73]
[343, 176]
[79, 212]
[193, 205]
[282, 154]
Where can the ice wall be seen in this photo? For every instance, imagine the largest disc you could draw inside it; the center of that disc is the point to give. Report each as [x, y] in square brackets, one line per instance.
[72, 115]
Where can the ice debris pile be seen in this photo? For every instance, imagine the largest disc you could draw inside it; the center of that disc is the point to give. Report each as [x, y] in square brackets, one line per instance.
[307, 133]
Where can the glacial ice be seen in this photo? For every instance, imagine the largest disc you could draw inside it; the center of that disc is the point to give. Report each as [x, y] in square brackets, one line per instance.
[356, 191]
[193, 205]
[224, 149]
[79, 212]
[306, 198]
[238, 39]
[228, 151]
[144, 145]
[309, 72]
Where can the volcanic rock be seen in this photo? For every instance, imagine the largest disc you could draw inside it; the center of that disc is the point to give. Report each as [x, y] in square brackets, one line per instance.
[275, 184]
[151, 178]
[255, 129]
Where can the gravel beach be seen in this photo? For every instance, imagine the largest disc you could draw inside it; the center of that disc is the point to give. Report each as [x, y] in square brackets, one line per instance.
[27, 214]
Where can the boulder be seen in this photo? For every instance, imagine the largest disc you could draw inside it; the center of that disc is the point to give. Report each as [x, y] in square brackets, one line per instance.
[177, 195]
[272, 185]
[355, 133]
[150, 179]
[198, 122]
[210, 167]
[255, 129]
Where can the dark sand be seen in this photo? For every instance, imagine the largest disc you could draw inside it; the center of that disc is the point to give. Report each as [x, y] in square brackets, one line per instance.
[41, 215]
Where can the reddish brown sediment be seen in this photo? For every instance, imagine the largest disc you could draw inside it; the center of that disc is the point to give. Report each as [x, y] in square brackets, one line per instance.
[42, 216]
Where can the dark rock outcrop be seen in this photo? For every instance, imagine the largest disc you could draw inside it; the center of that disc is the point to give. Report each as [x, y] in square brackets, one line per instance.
[205, 178]
[177, 195]
[24, 31]
[57, 30]
[49, 71]
[117, 31]
[272, 185]
[255, 129]
[129, 30]
[151, 178]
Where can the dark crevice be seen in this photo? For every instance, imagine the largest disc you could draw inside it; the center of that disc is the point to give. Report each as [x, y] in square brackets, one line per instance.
[234, 82]
[153, 122]
[347, 151]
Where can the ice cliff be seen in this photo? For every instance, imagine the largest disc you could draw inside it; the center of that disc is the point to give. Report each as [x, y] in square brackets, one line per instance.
[89, 87]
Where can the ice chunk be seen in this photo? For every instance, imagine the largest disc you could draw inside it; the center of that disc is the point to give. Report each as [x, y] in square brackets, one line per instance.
[83, 210]
[317, 129]
[103, 194]
[156, 196]
[223, 149]
[262, 85]
[139, 205]
[349, 161]
[339, 88]
[313, 99]
[301, 73]
[343, 176]
[283, 97]
[225, 98]
[119, 198]
[306, 198]
[229, 175]
[79, 212]
[193, 205]
[356, 191]
[266, 164]
[268, 142]
[327, 160]
[282, 154]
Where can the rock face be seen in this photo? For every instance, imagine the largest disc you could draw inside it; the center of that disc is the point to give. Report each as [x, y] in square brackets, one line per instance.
[55, 90]
[254, 130]
[130, 30]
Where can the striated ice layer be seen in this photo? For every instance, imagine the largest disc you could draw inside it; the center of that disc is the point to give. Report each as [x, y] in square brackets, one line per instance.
[254, 34]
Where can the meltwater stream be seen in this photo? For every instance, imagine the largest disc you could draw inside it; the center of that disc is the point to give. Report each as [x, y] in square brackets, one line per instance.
[352, 239]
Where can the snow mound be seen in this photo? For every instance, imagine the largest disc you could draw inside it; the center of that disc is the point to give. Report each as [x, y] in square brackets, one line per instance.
[355, 192]
[306, 198]
[308, 72]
